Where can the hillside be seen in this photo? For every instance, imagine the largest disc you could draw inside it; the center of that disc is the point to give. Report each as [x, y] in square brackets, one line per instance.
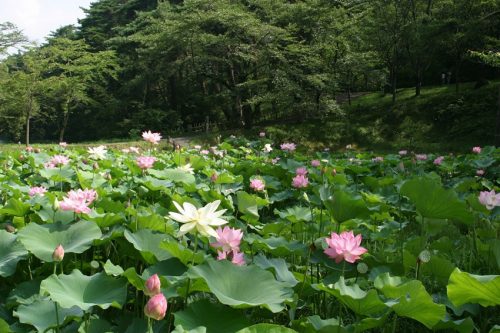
[439, 119]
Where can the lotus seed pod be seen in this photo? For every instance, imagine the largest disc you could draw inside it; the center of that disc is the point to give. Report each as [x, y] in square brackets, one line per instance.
[10, 228]
[362, 268]
[424, 256]
[58, 253]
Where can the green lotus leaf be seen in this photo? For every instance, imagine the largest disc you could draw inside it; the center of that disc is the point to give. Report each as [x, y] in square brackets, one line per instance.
[468, 288]
[176, 175]
[11, 252]
[148, 243]
[41, 240]
[295, 214]
[172, 267]
[4, 327]
[344, 206]
[25, 292]
[180, 329]
[461, 325]
[42, 314]
[58, 175]
[278, 246]
[280, 268]
[243, 286]
[268, 328]
[247, 203]
[89, 179]
[432, 200]
[111, 269]
[216, 318]
[84, 291]
[358, 300]
[15, 207]
[314, 324]
[410, 299]
[95, 325]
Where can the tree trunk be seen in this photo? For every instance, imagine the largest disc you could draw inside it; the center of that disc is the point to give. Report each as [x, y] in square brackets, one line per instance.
[28, 116]
[497, 130]
[65, 121]
[418, 83]
[28, 129]
[393, 88]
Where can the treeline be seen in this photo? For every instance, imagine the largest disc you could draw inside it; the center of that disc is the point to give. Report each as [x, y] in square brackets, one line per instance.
[165, 65]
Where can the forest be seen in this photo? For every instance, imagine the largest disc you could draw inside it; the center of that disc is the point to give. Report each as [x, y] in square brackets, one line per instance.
[131, 65]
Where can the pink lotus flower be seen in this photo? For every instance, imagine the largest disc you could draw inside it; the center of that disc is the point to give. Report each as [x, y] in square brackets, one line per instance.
[204, 152]
[287, 146]
[29, 149]
[153, 285]
[421, 157]
[439, 160]
[476, 150]
[153, 138]
[37, 190]
[300, 181]
[156, 307]
[58, 253]
[344, 247]
[489, 199]
[236, 257]
[302, 171]
[228, 239]
[262, 134]
[145, 162]
[257, 184]
[275, 160]
[78, 201]
[403, 152]
[57, 161]
[315, 163]
[378, 159]
[63, 144]
[480, 172]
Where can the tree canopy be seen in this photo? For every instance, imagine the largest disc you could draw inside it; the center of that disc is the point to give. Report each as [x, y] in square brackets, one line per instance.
[167, 65]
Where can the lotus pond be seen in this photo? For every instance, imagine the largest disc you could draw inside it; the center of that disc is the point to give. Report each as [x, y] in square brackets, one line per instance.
[248, 236]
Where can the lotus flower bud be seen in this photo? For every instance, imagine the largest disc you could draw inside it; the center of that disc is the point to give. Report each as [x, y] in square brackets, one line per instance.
[214, 177]
[56, 204]
[95, 166]
[37, 150]
[153, 285]
[58, 253]
[156, 307]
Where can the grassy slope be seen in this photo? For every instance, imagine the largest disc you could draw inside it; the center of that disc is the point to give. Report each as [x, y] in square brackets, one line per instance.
[439, 120]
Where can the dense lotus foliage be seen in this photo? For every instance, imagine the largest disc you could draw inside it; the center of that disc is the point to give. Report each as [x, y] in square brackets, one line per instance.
[248, 236]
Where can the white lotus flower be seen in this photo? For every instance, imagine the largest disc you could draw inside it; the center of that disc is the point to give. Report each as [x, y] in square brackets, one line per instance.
[201, 220]
[186, 168]
[267, 148]
[97, 153]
